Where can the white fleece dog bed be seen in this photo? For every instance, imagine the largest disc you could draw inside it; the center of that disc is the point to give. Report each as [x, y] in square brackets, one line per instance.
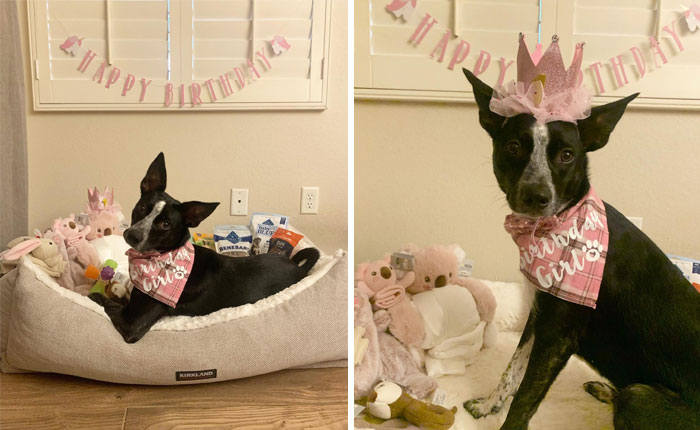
[46, 328]
[566, 406]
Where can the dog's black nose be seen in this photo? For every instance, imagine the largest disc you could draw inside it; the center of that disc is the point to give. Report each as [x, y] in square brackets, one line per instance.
[440, 281]
[132, 237]
[108, 231]
[386, 272]
[536, 196]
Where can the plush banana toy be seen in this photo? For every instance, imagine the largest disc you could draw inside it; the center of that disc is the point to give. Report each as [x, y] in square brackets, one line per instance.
[387, 400]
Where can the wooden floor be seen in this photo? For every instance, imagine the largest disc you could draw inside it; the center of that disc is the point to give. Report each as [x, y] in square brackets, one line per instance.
[289, 399]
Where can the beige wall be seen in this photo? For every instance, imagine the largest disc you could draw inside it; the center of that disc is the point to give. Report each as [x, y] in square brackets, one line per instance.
[273, 154]
[423, 174]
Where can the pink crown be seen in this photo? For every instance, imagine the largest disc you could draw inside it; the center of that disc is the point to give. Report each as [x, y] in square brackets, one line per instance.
[544, 88]
[99, 202]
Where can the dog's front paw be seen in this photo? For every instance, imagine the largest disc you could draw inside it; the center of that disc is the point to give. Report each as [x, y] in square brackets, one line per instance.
[110, 306]
[481, 407]
[98, 298]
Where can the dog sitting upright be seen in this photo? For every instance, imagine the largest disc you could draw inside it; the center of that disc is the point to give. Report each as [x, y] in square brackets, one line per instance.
[173, 277]
[601, 288]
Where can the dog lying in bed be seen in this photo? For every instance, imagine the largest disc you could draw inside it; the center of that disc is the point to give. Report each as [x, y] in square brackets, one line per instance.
[173, 277]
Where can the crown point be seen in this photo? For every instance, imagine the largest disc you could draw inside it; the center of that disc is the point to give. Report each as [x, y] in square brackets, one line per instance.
[555, 38]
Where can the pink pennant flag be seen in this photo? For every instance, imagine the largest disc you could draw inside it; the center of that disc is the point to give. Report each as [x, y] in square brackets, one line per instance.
[279, 45]
[692, 16]
[71, 45]
[402, 8]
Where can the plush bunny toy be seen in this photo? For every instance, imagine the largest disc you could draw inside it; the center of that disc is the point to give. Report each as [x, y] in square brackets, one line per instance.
[43, 252]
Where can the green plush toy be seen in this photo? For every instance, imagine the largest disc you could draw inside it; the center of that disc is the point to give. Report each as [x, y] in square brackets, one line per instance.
[101, 275]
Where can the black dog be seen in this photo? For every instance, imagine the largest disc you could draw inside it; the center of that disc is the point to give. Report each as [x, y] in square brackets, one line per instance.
[644, 335]
[160, 223]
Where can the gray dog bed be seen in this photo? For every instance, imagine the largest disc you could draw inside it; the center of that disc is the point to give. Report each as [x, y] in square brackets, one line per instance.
[46, 328]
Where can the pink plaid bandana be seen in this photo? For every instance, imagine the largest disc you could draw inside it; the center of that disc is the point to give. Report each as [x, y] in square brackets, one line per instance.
[564, 255]
[162, 276]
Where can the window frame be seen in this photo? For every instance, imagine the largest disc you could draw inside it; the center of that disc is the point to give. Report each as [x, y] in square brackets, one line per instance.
[181, 48]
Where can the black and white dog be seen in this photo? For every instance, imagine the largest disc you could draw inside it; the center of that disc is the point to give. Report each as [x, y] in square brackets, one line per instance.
[644, 334]
[159, 224]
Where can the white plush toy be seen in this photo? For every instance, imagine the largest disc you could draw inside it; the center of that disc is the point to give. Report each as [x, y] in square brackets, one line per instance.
[113, 247]
[454, 331]
[457, 312]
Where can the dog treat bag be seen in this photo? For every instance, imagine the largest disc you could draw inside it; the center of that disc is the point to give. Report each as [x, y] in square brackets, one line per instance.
[690, 269]
[264, 226]
[284, 241]
[204, 239]
[233, 240]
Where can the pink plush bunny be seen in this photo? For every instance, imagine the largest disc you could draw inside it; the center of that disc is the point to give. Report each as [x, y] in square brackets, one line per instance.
[42, 251]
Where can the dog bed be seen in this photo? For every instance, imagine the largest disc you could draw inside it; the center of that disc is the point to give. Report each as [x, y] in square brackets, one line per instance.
[566, 406]
[46, 328]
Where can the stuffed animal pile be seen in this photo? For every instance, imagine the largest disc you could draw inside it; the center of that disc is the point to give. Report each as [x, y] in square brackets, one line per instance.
[414, 326]
[73, 244]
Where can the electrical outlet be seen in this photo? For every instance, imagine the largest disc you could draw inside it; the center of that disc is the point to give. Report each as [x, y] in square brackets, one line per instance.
[239, 201]
[309, 200]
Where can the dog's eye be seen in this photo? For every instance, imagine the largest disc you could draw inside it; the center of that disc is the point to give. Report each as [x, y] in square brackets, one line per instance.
[427, 279]
[165, 224]
[374, 273]
[513, 147]
[566, 156]
[142, 207]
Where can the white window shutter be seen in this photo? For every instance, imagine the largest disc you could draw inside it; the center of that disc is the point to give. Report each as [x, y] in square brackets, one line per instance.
[137, 41]
[227, 33]
[610, 29]
[207, 38]
[394, 68]
[387, 66]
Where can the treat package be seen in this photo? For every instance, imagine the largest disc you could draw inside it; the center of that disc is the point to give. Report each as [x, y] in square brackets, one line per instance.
[689, 267]
[283, 241]
[264, 226]
[204, 239]
[233, 240]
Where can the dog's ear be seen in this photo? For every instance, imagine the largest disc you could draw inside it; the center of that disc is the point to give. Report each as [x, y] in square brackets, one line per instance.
[155, 178]
[595, 130]
[482, 94]
[195, 212]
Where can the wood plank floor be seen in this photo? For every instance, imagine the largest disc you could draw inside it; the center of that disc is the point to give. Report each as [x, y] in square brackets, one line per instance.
[289, 399]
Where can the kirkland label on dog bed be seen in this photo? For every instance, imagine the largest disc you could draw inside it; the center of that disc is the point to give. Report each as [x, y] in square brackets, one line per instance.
[193, 375]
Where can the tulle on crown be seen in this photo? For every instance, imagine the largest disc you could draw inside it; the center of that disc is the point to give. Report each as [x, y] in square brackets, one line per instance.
[546, 89]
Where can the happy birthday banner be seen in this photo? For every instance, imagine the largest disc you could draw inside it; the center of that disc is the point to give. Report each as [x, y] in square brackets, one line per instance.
[405, 8]
[279, 45]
